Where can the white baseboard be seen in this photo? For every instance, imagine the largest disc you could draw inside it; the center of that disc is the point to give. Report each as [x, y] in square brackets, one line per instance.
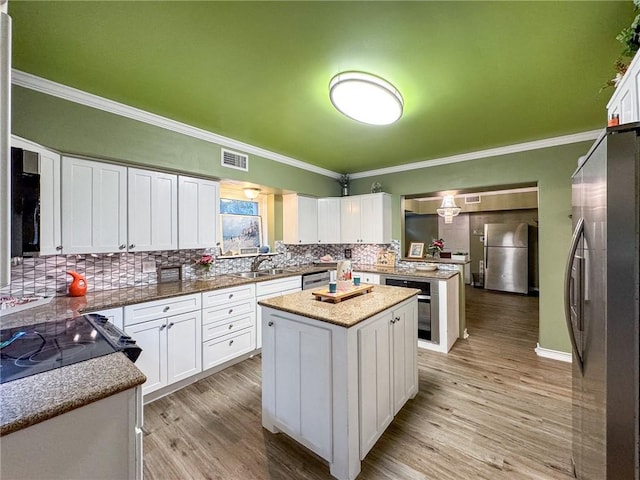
[553, 354]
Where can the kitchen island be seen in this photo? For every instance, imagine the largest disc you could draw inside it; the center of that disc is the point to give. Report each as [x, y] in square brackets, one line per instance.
[335, 375]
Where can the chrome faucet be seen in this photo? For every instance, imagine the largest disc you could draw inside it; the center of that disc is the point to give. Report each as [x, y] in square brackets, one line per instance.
[257, 261]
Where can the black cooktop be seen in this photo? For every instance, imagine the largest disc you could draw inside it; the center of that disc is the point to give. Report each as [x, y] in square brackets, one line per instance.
[40, 347]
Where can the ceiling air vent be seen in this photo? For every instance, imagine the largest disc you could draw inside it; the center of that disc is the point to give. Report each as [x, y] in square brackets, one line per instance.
[239, 161]
[472, 199]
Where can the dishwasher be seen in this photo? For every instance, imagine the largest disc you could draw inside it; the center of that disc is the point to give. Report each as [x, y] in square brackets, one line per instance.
[428, 324]
[315, 279]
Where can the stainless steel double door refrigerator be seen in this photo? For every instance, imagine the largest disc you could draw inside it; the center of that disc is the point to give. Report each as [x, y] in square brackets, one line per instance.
[601, 306]
[506, 257]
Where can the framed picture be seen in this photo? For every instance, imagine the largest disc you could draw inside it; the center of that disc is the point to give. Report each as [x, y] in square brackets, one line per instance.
[416, 250]
[240, 231]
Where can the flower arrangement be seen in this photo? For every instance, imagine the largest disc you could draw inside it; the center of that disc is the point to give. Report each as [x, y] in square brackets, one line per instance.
[344, 181]
[435, 247]
[204, 265]
[629, 37]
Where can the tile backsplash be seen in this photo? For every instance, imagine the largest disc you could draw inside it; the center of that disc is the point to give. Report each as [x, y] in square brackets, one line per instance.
[47, 275]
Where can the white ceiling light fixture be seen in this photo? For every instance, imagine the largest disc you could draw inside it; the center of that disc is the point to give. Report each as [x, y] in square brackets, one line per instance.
[251, 193]
[366, 98]
[448, 209]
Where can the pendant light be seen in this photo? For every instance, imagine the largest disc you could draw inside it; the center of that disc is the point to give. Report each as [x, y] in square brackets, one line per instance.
[448, 209]
[251, 193]
[365, 98]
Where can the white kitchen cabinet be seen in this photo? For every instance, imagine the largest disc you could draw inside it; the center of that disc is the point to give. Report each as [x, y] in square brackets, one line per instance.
[329, 220]
[270, 289]
[152, 210]
[198, 208]
[366, 218]
[100, 441]
[170, 335]
[388, 372]
[369, 278]
[228, 325]
[94, 206]
[625, 101]
[297, 360]
[299, 219]
[375, 392]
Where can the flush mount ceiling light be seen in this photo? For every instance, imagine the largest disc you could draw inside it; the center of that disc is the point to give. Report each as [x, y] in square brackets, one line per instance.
[366, 98]
[251, 193]
[448, 209]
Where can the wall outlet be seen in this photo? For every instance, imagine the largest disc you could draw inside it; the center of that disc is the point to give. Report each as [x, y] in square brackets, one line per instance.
[148, 266]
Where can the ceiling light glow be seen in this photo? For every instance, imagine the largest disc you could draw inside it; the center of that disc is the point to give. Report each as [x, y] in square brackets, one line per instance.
[251, 193]
[366, 98]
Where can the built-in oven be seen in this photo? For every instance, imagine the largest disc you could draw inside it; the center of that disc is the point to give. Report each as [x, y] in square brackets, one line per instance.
[428, 324]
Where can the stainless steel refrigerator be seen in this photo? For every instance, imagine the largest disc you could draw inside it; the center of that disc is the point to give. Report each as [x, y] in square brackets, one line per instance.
[506, 257]
[601, 307]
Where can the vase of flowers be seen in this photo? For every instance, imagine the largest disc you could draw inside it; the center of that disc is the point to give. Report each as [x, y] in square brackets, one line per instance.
[204, 267]
[344, 181]
[435, 247]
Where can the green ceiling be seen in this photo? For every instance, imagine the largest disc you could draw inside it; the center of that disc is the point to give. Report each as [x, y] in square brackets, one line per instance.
[474, 75]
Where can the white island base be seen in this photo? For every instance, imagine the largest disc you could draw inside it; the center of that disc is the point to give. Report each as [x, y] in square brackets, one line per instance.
[335, 389]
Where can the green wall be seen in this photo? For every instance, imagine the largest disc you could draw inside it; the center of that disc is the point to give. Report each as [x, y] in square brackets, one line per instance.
[73, 128]
[551, 169]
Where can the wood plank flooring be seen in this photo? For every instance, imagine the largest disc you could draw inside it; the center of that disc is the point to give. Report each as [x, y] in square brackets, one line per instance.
[490, 409]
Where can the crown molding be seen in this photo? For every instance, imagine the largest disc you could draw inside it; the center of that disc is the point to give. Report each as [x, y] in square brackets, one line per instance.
[43, 85]
[492, 152]
[49, 87]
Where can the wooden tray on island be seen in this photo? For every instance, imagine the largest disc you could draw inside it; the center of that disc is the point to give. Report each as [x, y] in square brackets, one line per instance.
[324, 294]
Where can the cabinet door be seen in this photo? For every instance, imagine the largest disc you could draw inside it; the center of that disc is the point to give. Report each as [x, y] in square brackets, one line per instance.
[375, 218]
[152, 211]
[308, 220]
[152, 338]
[405, 373]
[94, 206]
[374, 371]
[297, 368]
[329, 220]
[198, 201]
[349, 219]
[184, 346]
[50, 224]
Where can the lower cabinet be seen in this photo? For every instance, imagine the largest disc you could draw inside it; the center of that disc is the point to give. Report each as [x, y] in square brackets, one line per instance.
[228, 324]
[388, 373]
[171, 345]
[270, 289]
[297, 362]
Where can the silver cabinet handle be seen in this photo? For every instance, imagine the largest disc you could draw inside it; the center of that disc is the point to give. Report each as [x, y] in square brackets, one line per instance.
[393, 320]
[230, 326]
[59, 248]
[162, 327]
[270, 324]
[231, 295]
[166, 309]
[171, 325]
[132, 246]
[230, 342]
[123, 246]
[397, 319]
[230, 310]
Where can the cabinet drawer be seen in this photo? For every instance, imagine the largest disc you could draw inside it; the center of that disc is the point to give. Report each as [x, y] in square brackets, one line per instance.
[227, 295]
[223, 349]
[143, 312]
[279, 285]
[228, 326]
[217, 314]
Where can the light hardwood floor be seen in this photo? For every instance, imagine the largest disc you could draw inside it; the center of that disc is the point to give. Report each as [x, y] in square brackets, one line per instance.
[490, 409]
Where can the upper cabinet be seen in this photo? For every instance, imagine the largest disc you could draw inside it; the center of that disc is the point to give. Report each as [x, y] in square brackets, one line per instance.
[329, 220]
[94, 206]
[366, 218]
[153, 210]
[299, 219]
[198, 208]
[625, 101]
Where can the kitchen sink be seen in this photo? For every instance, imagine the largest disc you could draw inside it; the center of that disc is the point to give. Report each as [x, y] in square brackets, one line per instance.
[261, 273]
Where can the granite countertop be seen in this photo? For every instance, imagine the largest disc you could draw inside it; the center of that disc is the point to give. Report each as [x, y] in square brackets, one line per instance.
[405, 272]
[37, 398]
[346, 313]
[437, 260]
